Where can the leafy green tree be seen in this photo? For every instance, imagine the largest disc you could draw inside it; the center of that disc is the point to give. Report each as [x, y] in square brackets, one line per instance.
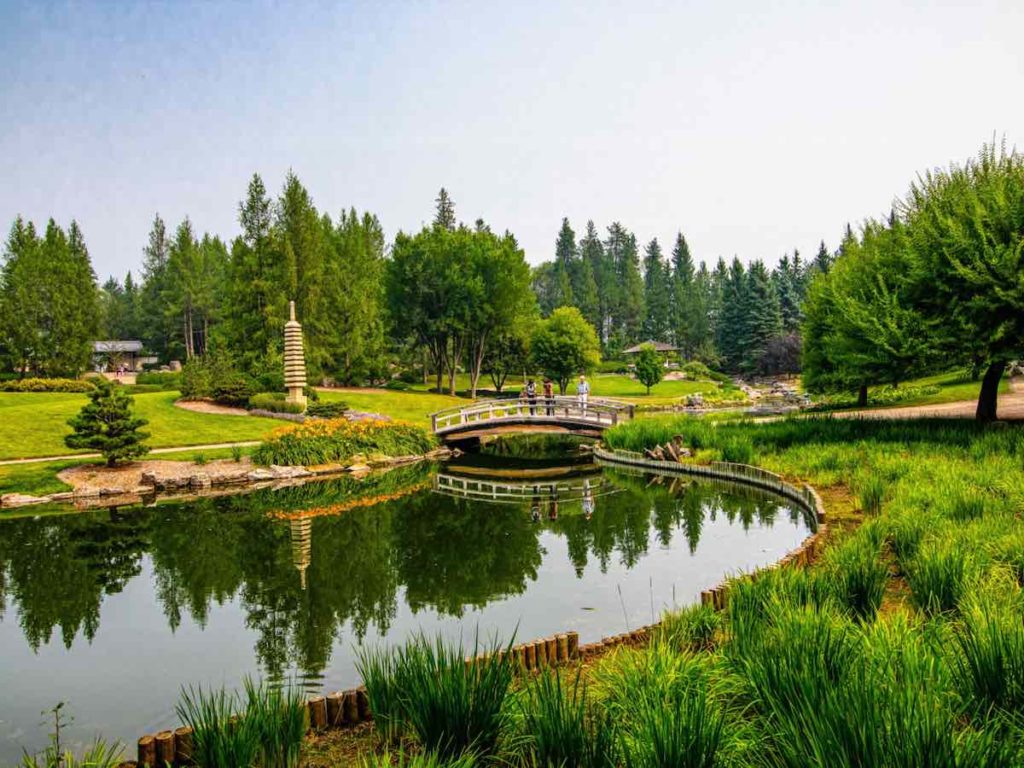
[544, 286]
[508, 353]
[107, 424]
[657, 294]
[966, 243]
[565, 345]
[649, 366]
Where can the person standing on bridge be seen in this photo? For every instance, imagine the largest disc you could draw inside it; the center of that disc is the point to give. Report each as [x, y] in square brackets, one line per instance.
[582, 393]
[531, 396]
[549, 397]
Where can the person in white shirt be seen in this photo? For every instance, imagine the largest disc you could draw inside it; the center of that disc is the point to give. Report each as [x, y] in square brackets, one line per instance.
[582, 392]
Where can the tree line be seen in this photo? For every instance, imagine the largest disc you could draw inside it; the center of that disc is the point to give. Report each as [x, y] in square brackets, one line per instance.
[740, 318]
[936, 284]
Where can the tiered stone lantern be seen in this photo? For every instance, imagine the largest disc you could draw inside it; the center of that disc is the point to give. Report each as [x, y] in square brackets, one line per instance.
[294, 360]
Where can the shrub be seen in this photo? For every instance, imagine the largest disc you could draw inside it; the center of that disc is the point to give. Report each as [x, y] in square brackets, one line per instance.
[328, 410]
[165, 380]
[233, 389]
[937, 579]
[273, 402]
[398, 385]
[562, 728]
[106, 424]
[695, 369]
[48, 385]
[325, 441]
[613, 366]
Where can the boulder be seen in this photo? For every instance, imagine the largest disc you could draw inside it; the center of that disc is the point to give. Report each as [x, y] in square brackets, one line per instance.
[22, 500]
[260, 475]
[199, 480]
[287, 473]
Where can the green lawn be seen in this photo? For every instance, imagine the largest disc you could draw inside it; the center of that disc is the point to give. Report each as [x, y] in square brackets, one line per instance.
[954, 388]
[34, 424]
[412, 405]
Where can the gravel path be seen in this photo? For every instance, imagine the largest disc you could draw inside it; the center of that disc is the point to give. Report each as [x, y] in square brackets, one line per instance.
[1010, 408]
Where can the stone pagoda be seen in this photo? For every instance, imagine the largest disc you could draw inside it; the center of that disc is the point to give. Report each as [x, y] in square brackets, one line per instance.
[294, 359]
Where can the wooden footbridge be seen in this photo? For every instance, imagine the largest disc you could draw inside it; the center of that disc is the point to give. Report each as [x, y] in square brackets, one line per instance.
[564, 415]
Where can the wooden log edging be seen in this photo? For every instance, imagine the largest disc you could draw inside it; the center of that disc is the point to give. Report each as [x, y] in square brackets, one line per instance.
[806, 497]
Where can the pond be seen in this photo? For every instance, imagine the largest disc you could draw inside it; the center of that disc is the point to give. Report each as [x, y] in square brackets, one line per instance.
[113, 611]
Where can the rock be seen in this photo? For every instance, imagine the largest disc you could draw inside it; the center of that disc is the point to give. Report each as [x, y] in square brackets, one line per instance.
[259, 475]
[141, 490]
[87, 493]
[228, 478]
[358, 467]
[443, 452]
[111, 491]
[287, 473]
[199, 480]
[63, 496]
[148, 478]
[659, 453]
[22, 500]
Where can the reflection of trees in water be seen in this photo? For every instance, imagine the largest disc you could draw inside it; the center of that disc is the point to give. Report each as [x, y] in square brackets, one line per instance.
[448, 554]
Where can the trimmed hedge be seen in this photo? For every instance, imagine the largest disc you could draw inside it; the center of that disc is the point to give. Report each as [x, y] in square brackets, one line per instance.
[47, 385]
[273, 402]
[328, 441]
[166, 380]
[332, 410]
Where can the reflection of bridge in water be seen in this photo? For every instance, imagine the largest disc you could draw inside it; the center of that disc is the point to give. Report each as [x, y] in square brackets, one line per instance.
[564, 415]
[528, 491]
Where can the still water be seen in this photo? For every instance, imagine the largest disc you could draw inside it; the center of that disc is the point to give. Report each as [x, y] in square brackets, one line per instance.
[113, 611]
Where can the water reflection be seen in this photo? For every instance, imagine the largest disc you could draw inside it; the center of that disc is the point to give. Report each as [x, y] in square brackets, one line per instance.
[312, 568]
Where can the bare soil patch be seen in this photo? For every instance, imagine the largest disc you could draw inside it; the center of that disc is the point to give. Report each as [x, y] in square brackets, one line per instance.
[205, 406]
[91, 477]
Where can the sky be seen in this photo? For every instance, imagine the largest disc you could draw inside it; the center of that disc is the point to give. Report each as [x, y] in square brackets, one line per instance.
[753, 127]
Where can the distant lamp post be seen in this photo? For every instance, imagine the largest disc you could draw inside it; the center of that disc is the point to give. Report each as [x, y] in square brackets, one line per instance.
[294, 360]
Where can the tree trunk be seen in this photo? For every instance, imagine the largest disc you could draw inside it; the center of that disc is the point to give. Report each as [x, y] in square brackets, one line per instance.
[862, 396]
[479, 346]
[989, 395]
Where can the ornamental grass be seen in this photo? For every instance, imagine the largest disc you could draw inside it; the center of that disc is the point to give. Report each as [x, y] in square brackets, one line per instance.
[333, 441]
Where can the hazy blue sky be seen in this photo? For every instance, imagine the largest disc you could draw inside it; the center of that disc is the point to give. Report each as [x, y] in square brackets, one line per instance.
[755, 127]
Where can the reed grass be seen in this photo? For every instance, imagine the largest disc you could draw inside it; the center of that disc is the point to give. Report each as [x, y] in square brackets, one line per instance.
[690, 629]
[562, 727]
[989, 667]
[859, 576]
[938, 578]
[417, 760]
[378, 669]
[871, 489]
[220, 738]
[278, 714]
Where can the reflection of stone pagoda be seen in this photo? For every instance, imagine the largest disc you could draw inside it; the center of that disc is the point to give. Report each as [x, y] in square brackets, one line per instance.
[294, 359]
[302, 545]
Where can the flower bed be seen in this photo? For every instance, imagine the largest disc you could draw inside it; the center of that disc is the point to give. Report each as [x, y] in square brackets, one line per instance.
[327, 441]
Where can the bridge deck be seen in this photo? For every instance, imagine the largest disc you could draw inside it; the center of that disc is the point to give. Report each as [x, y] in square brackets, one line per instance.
[556, 414]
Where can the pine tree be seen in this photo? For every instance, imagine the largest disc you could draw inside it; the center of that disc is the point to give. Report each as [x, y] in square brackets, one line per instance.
[157, 332]
[445, 214]
[657, 294]
[565, 257]
[106, 424]
[733, 331]
[628, 297]
[593, 256]
[823, 259]
[686, 305]
[764, 318]
[22, 306]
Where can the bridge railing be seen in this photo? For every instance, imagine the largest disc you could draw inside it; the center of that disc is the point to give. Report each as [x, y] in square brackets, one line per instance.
[503, 491]
[597, 411]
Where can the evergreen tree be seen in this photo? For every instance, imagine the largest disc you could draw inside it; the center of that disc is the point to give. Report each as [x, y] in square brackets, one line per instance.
[649, 366]
[733, 329]
[156, 329]
[764, 318]
[787, 283]
[657, 294]
[22, 306]
[823, 259]
[628, 298]
[106, 424]
[592, 255]
[444, 216]
[565, 257]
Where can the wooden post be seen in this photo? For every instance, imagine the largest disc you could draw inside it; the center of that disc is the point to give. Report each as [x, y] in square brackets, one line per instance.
[530, 653]
[351, 707]
[335, 713]
[563, 647]
[541, 647]
[574, 644]
[363, 703]
[183, 745]
[164, 748]
[318, 713]
[147, 751]
[552, 650]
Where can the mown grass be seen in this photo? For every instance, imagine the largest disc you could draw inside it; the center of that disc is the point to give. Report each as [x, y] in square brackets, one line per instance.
[34, 424]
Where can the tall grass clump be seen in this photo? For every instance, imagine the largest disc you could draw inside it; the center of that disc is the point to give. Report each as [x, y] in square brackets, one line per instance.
[685, 730]
[738, 450]
[278, 714]
[690, 629]
[98, 754]
[937, 579]
[378, 669]
[989, 665]
[454, 708]
[417, 760]
[905, 535]
[858, 575]
[561, 726]
[217, 740]
[325, 441]
[871, 490]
